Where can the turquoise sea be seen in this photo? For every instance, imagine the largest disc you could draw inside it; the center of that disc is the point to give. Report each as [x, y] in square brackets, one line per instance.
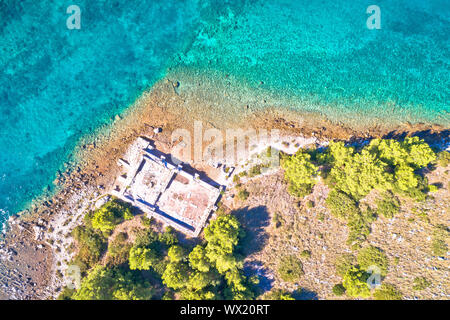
[58, 85]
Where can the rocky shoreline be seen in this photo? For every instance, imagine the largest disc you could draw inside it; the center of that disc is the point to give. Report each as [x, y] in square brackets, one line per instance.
[35, 247]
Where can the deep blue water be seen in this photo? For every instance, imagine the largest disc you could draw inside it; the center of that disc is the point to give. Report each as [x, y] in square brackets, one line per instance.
[57, 85]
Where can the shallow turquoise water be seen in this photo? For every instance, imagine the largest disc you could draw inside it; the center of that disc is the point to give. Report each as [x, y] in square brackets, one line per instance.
[57, 85]
[322, 55]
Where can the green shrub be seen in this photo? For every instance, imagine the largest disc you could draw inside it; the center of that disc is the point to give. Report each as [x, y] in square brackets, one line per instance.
[443, 158]
[242, 174]
[338, 289]
[309, 204]
[344, 263]
[254, 171]
[396, 261]
[145, 238]
[387, 292]
[359, 226]
[341, 205]
[243, 195]
[91, 245]
[439, 245]
[388, 206]
[373, 256]
[306, 254]
[421, 283]
[432, 188]
[277, 220]
[168, 295]
[66, 294]
[146, 221]
[290, 269]
[118, 250]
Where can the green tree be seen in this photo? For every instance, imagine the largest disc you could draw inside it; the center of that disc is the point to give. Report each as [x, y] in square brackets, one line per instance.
[413, 152]
[338, 154]
[176, 253]
[222, 235]
[300, 173]
[201, 280]
[373, 256]
[419, 152]
[113, 284]
[141, 258]
[198, 259]
[355, 283]
[109, 215]
[405, 178]
[238, 287]
[360, 174]
[389, 150]
[91, 245]
[176, 275]
[188, 294]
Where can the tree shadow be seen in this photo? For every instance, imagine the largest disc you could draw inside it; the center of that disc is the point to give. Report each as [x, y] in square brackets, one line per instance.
[254, 221]
[265, 277]
[439, 140]
[304, 294]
